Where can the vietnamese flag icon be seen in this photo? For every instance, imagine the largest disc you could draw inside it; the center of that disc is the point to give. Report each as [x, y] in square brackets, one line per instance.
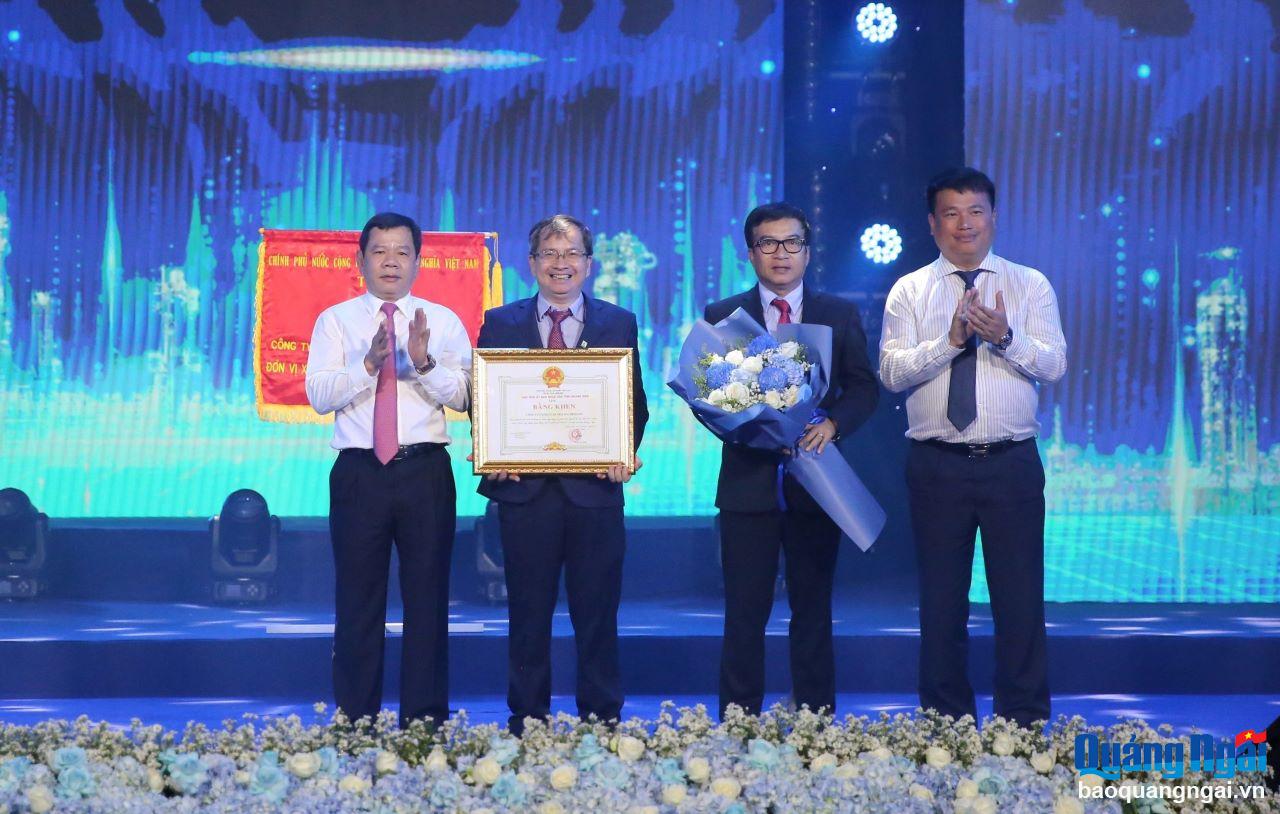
[1250, 735]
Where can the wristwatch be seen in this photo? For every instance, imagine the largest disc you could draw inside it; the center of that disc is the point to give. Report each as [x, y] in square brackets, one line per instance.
[1005, 341]
[428, 367]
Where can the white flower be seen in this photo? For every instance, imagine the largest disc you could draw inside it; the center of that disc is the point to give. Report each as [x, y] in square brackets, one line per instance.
[630, 749]
[726, 787]
[486, 771]
[1067, 804]
[1002, 746]
[983, 805]
[387, 762]
[1091, 781]
[527, 778]
[482, 811]
[551, 807]
[790, 396]
[563, 777]
[716, 397]
[846, 771]
[734, 357]
[788, 349]
[715, 357]
[698, 769]
[881, 753]
[673, 795]
[436, 761]
[39, 799]
[303, 765]
[966, 789]
[1043, 762]
[643, 810]
[920, 791]
[242, 778]
[826, 760]
[774, 399]
[753, 365]
[155, 780]
[736, 391]
[354, 784]
[937, 757]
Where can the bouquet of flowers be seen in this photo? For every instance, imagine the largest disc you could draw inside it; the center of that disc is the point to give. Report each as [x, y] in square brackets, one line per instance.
[760, 390]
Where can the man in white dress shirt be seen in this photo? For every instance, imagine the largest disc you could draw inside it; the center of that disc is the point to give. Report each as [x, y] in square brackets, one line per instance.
[387, 363]
[970, 337]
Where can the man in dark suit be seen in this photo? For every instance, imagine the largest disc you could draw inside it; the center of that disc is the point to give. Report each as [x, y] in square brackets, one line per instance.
[753, 523]
[572, 522]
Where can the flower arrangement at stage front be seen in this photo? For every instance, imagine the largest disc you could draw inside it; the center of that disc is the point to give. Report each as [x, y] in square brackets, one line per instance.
[763, 371]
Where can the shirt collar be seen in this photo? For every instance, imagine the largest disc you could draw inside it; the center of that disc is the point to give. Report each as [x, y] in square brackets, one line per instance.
[575, 309]
[374, 304]
[794, 298]
[942, 266]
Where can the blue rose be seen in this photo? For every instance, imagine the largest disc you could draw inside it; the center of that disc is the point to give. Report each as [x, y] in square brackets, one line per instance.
[11, 772]
[588, 752]
[735, 808]
[611, 773]
[503, 750]
[445, 792]
[762, 755]
[718, 375]
[990, 782]
[509, 791]
[761, 344]
[269, 780]
[328, 760]
[668, 772]
[188, 773]
[67, 757]
[773, 378]
[75, 782]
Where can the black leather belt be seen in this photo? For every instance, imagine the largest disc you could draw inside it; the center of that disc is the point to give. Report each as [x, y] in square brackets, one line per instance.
[405, 451]
[976, 450]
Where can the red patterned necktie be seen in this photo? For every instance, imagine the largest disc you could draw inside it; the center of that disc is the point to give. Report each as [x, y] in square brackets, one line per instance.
[784, 310]
[386, 433]
[555, 340]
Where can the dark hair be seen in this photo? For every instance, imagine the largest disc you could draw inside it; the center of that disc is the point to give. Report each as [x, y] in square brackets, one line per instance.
[778, 210]
[557, 225]
[960, 179]
[391, 220]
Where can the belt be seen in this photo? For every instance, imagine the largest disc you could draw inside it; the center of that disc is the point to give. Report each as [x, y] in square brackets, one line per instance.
[406, 451]
[976, 450]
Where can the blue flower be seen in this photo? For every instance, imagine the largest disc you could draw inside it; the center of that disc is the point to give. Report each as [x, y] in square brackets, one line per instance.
[990, 782]
[75, 782]
[718, 375]
[668, 772]
[793, 369]
[67, 757]
[445, 792]
[509, 791]
[612, 773]
[503, 750]
[762, 755]
[329, 763]
[588, 752]
[742, 376]
[269, 780]
[761, 344]
[188, 773]
[11, 772]
[773, 378]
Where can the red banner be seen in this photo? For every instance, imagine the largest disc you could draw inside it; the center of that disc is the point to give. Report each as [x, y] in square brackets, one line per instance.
[301, 273]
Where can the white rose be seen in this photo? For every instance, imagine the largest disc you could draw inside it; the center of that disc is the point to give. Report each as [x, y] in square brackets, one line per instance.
[715, 357]
[1043, 762]
[716, 397]
[643, 810]
[674, 795]
[155, 780]
[526, 778]
[753, 365]
[39, 799]
[937, 757]
[846, 771]
[481, 811]
[486, 771]
[726, 787]
[303, 765]
[630, 749]
[242, 778]
[774, 399]
[387, 763]
[790, 396]
[551, 807]
[698, 769]
[436, 761]
[789, 349]
[881, 753]
[1066, 804]
[1002, 746]
[563, 777]
[826, 760]
[734, 357]
[920, 791]
[966, 789]
[984, 805]
[736, 391]
[1091, 781]
[354, 784]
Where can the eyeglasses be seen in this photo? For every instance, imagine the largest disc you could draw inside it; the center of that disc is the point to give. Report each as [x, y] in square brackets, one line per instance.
[768, 245]
[549, 255]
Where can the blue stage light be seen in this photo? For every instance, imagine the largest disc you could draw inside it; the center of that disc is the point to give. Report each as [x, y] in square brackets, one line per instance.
[881, 243]
[876, 22]
[1144, 71]
[14, 35]
[768, 67]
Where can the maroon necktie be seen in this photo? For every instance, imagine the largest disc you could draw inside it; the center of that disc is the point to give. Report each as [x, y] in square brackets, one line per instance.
[386, 433]
[555, 340]
[784, 310]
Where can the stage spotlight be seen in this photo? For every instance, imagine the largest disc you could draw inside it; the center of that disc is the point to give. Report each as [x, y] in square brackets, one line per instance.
[244, 543]
[22, 532]
[881, 243]
[876, 22]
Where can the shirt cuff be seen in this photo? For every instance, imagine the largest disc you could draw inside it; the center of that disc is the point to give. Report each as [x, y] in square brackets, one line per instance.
[943, 349]
[435, 378]
[1019, 351]
[359, 376]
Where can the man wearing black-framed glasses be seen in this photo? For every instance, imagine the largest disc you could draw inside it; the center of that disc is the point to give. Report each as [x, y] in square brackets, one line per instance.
[755, 524]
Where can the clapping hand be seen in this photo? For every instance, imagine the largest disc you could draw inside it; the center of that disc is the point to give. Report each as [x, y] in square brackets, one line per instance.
[961, 327]
[419, 336]
[991, 324]
[379, 349]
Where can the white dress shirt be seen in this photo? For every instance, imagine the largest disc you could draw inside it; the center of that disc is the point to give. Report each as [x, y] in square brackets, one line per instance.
[571, 327]
[916, 353]
[771, 315]
[337, 381]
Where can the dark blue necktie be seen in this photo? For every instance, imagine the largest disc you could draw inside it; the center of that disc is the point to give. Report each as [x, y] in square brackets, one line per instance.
[962, 400]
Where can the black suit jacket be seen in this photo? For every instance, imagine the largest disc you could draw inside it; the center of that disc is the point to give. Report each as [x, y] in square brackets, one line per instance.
[748, 477]
[604, 325]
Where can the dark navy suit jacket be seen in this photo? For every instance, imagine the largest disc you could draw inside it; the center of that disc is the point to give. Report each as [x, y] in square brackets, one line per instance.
[604, 325]
[748, 477]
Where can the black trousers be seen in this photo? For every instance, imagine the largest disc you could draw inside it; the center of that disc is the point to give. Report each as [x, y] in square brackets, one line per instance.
[412, 503]
[539, 538]
[749, 546]
[952, 496]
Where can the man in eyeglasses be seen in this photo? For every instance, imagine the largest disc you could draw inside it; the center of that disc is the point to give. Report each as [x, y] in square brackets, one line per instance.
[570, 522]
[754, 523]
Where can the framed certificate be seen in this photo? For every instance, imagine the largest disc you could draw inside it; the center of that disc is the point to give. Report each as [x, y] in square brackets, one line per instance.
[551, 411]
